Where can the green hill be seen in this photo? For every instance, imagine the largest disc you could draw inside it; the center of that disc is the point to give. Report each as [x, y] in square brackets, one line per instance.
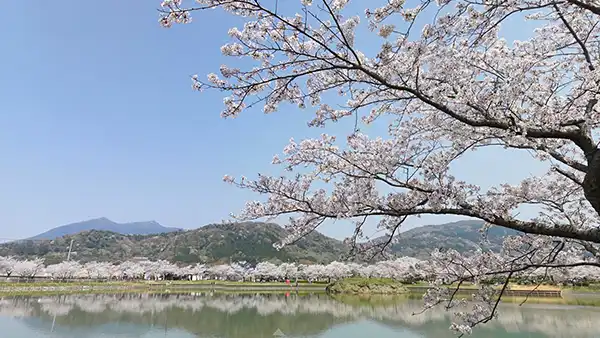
[461, 236]
[249, 241]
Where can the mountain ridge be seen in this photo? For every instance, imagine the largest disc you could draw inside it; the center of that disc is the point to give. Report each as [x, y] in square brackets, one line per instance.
[105, 224]
[248, 241]
[464, 235]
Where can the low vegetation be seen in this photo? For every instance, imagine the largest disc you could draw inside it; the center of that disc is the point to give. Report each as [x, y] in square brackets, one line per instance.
[360, 286]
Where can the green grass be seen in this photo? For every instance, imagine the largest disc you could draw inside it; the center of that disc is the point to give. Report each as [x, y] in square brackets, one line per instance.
[385, 300]
[367, 286]
[67, 284]
[70, 292]
[370, 281]
[233, 283]
[581, 301]
[592, 288]
[146, 291]
[54, 287]
[512, 286]
[151, 283]
[351, 285]
[426, 284]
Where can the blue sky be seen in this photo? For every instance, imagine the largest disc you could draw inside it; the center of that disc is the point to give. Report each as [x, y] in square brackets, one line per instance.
[98, 119]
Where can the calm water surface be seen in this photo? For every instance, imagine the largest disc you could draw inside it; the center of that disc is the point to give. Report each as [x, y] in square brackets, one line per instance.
[263, 316]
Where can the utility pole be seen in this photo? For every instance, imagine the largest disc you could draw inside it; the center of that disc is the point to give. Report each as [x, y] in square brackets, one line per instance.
[70, 248]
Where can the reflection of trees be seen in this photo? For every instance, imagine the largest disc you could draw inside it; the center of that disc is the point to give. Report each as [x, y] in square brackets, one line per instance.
[249, 316]
[218, 316]
[8, 307]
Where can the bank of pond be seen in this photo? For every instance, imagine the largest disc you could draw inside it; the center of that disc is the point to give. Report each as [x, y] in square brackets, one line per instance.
[353, 286]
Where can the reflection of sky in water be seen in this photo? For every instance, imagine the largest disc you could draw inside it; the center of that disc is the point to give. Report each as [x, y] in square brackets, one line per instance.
[368, 329]
[14, 327]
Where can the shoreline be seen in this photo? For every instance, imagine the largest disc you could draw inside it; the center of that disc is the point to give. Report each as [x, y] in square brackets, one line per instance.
[82, 287]
[10, 288]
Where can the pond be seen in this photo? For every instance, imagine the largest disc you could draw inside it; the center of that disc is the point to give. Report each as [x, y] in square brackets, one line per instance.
[271, 315]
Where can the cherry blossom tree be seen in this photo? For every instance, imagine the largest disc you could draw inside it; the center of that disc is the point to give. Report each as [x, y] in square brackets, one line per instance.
[267, 271]
[7, 266]
[583, 274]
[132, 270]
[99, 270]
[446, 82]
[442, 269]
[337, 270]
[28, 268]
[159, 269]
[315, 272]
[199, 270]
[288, 270]
[64, 270]
[403, 269]
[226, 271]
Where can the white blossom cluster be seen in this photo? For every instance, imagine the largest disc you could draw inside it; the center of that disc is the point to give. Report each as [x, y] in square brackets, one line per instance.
[445, 88]
[445, 81]
[400, 269]
[443, 267]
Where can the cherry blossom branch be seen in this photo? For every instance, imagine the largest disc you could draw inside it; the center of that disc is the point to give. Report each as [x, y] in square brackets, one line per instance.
[444, 88]
[584, 5]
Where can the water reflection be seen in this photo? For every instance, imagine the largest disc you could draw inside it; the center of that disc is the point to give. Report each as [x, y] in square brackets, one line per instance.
[254, 316]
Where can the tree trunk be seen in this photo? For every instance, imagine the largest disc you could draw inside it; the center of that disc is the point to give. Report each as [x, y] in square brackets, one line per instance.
[591, 182]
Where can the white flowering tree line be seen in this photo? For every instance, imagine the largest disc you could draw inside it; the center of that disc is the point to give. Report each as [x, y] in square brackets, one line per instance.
[449, 83]
[404, 269]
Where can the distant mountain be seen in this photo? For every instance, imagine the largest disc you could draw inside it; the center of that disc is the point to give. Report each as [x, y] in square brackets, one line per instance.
[250, 241]
[461, 236]
[104, 224]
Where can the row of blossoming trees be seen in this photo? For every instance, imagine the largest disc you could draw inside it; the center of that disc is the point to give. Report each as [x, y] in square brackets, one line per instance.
[405, 269]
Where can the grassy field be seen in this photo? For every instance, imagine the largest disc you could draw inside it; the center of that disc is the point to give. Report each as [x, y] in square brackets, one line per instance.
[67, 284]
[37, 293]
[511, 286]
[57, 287]
[372, 284]
[592, 288]
[359, 286]
[233, 283]
[151, 283]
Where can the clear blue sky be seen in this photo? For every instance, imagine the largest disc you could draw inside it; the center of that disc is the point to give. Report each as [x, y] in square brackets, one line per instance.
[98, 119]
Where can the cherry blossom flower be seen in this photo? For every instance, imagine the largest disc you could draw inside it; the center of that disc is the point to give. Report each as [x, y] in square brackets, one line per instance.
[445, 87]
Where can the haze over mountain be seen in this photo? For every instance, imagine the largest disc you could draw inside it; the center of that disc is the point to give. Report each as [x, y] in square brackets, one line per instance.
[248, 241]
[104, 224]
